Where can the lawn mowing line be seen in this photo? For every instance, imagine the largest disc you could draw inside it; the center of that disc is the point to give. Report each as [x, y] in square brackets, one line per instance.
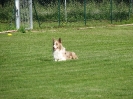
[105, 26]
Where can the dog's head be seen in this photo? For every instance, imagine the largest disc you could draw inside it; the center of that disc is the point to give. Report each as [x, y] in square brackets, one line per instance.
[57, 45]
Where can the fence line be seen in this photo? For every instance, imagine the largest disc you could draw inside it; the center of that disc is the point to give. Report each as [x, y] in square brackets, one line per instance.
[72, 11]
[112, 15]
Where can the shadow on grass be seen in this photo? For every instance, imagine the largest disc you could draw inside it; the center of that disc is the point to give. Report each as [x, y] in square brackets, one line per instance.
[47, 59]
[50, 59]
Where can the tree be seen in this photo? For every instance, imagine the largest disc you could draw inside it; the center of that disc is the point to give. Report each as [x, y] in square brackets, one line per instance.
[3, 2]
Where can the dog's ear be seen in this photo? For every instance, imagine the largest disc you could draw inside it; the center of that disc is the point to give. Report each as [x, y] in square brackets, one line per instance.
[59, 40]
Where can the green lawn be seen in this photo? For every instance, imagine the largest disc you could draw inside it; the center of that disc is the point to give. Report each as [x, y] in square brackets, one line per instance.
[104, 69]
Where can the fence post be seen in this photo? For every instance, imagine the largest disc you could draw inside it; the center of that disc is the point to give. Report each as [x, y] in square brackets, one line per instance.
[65, 11]
[111, 11]
[30, 14]
[85, 11]
[17, 15]
[36, 14]
[59, 12]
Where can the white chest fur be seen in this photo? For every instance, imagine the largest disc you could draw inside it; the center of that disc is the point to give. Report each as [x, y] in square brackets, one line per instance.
[59, 55]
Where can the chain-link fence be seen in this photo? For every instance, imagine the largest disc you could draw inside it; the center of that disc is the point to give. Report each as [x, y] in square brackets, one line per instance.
[60, 11]
[85, 10]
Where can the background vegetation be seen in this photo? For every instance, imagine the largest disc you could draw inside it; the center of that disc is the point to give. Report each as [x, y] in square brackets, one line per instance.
[97, 11]
[47, 10]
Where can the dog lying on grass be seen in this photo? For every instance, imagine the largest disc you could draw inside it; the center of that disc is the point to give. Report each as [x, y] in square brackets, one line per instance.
[59, 52]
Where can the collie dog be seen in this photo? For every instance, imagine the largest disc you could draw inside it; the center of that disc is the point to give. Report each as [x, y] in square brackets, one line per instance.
[59, 52]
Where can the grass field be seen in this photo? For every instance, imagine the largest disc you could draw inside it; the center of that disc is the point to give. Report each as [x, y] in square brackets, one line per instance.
[104, 69]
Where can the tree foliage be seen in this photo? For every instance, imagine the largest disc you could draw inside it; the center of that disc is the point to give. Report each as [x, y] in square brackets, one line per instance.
[3, 2]
[81, 1]
[43, 2]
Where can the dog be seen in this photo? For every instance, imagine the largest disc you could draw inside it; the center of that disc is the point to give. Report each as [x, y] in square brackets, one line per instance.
[59, 52]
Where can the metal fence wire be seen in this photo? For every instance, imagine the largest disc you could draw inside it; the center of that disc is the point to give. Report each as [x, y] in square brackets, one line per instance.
[70, 11]
[74, 10]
